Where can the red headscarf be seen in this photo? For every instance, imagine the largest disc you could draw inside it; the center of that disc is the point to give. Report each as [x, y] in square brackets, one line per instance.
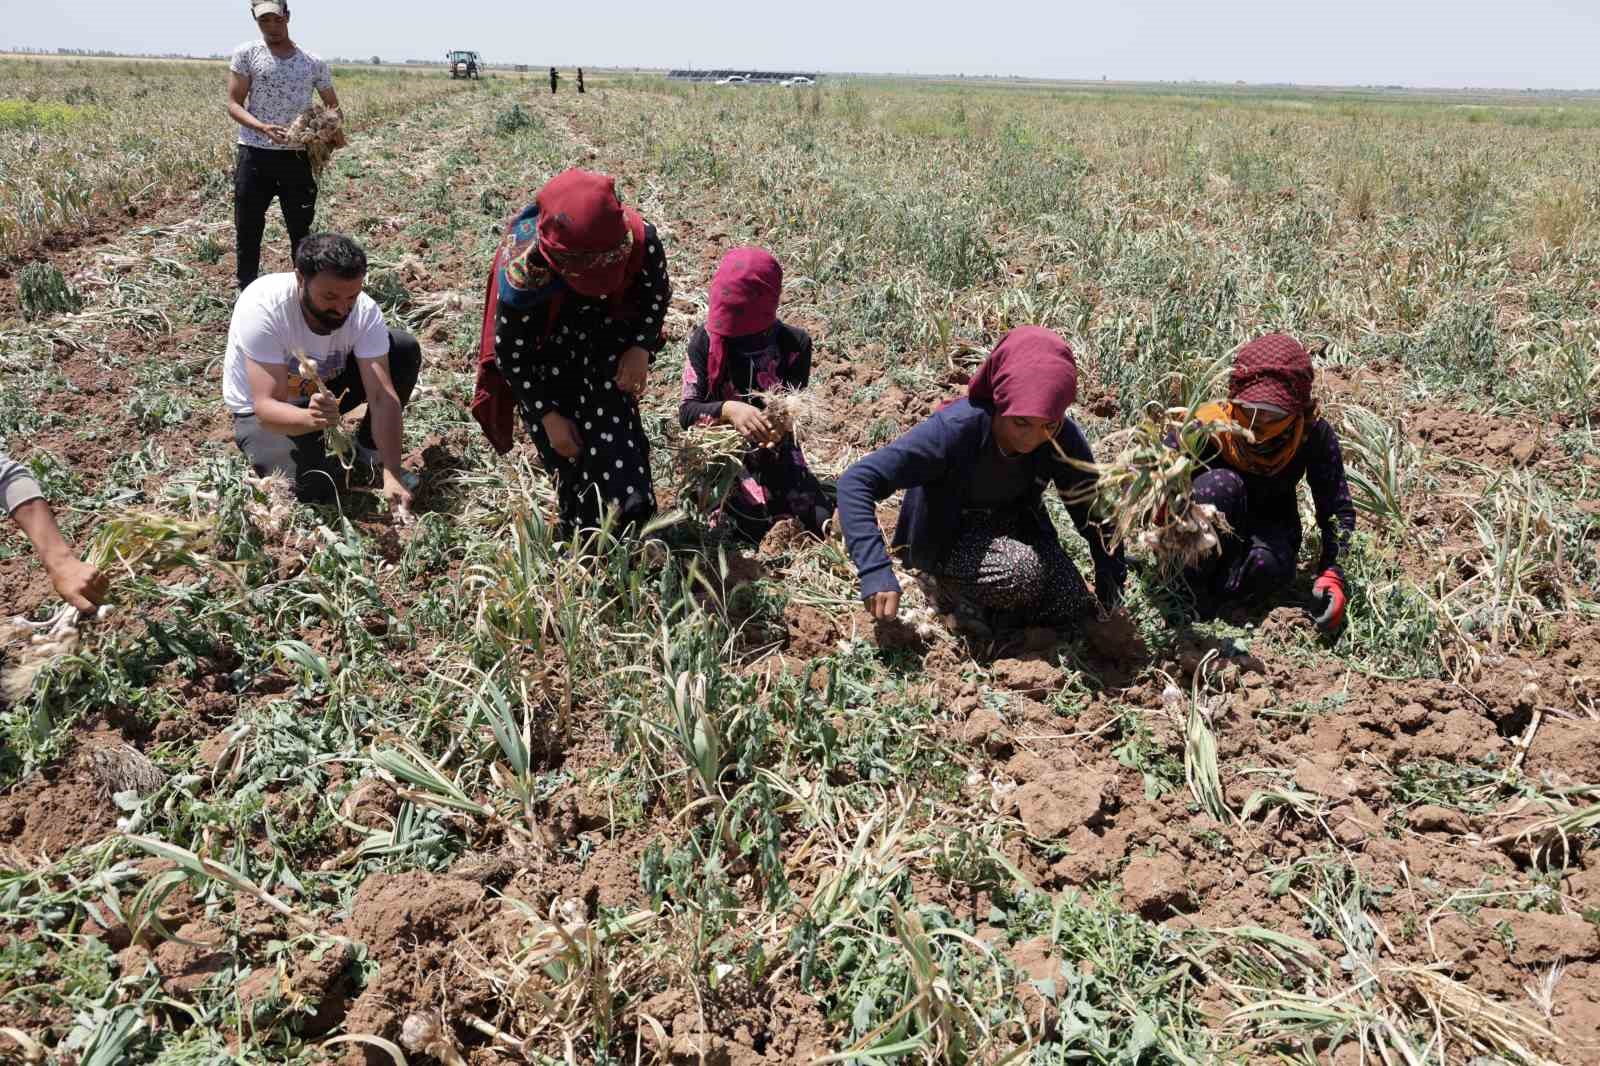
[1030, 374]
[744, 299]
[1273, 369]
[585, 233]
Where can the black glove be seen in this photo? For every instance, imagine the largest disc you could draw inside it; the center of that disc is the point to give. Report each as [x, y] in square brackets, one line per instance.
[1109, 577]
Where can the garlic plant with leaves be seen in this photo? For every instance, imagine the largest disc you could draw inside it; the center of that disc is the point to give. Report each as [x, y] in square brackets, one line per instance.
[125, 546]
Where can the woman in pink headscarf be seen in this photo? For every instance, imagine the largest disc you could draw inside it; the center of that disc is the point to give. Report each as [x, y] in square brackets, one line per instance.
[973, 515]
[744, 350]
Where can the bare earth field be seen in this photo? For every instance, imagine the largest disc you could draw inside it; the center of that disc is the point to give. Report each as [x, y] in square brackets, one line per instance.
[449, 791]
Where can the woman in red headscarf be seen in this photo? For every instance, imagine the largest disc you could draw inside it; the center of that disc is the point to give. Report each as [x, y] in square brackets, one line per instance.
[1253, 481]
[973, 514]
[577, 300]
[741, 353]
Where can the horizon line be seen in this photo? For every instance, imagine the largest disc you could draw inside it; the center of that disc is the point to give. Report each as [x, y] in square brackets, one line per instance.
[63, 52]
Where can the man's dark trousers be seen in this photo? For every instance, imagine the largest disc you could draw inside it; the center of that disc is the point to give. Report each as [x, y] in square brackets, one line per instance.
[259, 175]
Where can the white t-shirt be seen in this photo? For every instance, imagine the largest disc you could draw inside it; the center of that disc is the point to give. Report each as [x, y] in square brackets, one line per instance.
[269, 327]
[279, 88]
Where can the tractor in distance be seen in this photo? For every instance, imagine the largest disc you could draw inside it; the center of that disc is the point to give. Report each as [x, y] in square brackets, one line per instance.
[463, 64]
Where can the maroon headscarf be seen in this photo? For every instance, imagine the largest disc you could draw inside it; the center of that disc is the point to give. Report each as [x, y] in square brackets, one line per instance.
[1274, 369]
[1030, 374]
[585, 233]
[744, 299]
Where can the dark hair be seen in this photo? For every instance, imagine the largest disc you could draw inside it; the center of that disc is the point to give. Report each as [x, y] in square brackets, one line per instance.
[332, 253]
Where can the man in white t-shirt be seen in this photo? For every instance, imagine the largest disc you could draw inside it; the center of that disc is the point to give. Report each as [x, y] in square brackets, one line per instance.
[269, 84]
[319, 311]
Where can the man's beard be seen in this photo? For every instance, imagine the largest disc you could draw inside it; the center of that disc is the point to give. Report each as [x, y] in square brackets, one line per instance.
[324, 321]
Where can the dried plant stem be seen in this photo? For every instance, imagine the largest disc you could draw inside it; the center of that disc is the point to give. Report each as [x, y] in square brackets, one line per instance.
[127, 544]
[1141, 497]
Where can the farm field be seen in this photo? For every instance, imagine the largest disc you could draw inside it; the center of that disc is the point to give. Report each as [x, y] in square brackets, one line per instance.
[448, 791]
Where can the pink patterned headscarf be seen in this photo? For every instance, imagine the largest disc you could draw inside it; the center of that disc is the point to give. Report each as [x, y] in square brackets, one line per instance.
[744, 299]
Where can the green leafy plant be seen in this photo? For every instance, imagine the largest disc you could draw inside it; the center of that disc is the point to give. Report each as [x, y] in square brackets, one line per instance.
[43, 291]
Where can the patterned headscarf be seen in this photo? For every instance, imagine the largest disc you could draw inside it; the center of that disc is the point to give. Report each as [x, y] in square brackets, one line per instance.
[575, 235]
[1030, 374]
[1273, 369]
[586, 233]
[744, 300]
[524, 279]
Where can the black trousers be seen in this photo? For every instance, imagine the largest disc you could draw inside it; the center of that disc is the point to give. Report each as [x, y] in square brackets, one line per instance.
[317, 476]
[258, 176]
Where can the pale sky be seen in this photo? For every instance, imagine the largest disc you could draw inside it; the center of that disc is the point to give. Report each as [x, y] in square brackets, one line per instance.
[1544, 44]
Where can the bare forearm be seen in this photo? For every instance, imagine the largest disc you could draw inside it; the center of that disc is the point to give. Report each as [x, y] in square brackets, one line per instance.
[237, 112]
[276, 416]
[80, 584]
[39, 524]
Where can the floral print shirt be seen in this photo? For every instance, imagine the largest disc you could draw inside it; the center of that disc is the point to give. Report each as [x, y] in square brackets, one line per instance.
[279, 88]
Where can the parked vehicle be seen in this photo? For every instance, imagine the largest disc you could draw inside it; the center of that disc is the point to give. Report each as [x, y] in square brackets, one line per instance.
[463, 64]
[733, 79]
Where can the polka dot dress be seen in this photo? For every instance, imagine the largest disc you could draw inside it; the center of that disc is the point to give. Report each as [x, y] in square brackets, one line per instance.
[568, 367]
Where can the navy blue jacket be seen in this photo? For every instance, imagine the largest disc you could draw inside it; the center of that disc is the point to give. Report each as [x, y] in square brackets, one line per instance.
[934, 462]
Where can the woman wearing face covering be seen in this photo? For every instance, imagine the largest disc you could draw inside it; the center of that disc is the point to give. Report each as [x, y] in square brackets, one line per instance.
[1253, 483]
[572, 320]
[745, 350]
[973, 514]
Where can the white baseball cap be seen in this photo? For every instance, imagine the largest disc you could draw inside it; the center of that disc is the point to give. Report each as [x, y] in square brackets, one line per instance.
[268, 7]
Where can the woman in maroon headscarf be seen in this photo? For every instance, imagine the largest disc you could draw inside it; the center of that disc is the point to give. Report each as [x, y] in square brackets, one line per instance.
[974, 515]
[743, 351]
[577, 301]
[1253, 482]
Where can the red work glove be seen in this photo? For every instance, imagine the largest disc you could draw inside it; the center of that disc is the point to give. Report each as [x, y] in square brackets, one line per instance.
[1328, 593]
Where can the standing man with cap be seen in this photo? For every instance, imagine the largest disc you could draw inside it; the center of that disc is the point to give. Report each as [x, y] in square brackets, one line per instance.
[554, 78]
[269, 84]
